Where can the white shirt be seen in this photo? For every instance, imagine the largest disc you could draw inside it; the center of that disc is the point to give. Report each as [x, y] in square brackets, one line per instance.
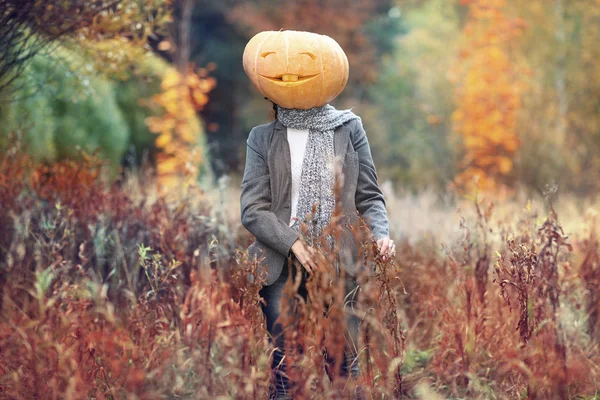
[297, 139]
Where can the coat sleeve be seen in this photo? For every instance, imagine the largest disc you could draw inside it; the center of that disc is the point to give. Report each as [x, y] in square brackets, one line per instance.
[255, 201]
[369, 197]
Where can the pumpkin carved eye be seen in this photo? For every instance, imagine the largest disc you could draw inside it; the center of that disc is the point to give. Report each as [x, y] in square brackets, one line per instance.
[266, 53]
[311, 55]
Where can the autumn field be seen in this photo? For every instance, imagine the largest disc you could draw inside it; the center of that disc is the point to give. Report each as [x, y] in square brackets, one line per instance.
[113, 292]
[123, 264]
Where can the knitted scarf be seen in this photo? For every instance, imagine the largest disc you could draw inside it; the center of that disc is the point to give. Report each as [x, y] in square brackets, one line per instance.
[317, 177]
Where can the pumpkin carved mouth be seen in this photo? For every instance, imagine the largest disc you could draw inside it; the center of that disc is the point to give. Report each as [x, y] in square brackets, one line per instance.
[288, 79]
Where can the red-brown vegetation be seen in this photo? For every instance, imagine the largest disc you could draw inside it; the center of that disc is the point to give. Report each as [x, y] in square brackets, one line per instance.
[109, 291]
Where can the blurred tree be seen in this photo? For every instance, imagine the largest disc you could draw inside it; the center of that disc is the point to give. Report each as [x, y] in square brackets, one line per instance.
[144, 102]
[180, 136]
[410, 104]
[217, 44]
[28, 27]
[181, 140]
[99, 54]
[64, 108]
[69, 111]
[133, 94]
[489, 91]
[578, 91]
[560, 117]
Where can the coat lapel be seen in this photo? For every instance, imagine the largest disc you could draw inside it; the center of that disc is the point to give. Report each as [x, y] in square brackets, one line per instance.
[282, 170]
[283, 148]
[339, 144]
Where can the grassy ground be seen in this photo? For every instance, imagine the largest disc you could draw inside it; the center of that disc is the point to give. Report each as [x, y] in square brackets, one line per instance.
[114, 292]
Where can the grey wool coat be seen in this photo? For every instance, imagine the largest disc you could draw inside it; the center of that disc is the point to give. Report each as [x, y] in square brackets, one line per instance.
[266, 194]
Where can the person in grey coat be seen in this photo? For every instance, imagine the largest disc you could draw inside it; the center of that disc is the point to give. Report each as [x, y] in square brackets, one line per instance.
[289, 172]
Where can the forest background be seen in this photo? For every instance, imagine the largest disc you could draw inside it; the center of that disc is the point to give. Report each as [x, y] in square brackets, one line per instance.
[448, 90]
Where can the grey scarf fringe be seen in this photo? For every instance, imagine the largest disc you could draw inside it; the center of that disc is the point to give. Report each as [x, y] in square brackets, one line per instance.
[317, 178]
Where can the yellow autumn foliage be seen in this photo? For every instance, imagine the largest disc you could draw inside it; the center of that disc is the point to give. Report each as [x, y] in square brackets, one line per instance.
[118, 36]
[179, 129]
[488, 98]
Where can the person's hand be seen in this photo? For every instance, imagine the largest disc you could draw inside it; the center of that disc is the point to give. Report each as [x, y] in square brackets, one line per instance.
[306, 255]
[387, 248]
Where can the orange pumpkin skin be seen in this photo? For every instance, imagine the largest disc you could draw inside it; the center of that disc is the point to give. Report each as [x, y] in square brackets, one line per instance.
[296, 69]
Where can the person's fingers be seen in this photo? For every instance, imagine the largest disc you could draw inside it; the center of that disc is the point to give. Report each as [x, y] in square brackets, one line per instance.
[301, 258]
[384, 246]
[307, 257]
[391, 247]
[387, 248]
[311, 256]
[308, 269]
[307, 266]
[308, 263]
[313, 265]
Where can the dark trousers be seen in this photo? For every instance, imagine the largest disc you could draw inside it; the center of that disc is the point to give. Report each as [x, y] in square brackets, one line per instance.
[272, 295]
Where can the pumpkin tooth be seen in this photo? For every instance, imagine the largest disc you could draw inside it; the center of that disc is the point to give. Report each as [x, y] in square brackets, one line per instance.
[289, 77]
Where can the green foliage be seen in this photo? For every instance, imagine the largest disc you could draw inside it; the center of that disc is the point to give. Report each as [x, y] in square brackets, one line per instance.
[412, 103]
[64, 105]
[21, 114]
[384, 28]
[131, 93]
[560, 122]
[60, 108]
[86, 115]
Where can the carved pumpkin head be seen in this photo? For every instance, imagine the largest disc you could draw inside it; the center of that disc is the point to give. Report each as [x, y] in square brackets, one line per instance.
[296, 69]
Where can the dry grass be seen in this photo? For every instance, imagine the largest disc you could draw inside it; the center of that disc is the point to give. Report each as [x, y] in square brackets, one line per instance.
[111, 291]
